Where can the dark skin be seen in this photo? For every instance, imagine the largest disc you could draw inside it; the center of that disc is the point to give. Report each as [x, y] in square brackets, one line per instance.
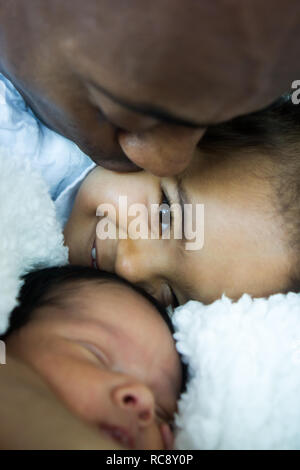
[139, 81]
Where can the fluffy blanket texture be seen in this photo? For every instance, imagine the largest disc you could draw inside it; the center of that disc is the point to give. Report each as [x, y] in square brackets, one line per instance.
[30, 236]
[244, 365]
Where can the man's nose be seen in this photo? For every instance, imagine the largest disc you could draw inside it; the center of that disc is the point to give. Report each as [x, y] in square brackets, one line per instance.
[136, 398]
[164, 150]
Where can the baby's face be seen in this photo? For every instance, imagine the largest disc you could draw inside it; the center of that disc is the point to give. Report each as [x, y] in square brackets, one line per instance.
[244, 247]
[111, 358]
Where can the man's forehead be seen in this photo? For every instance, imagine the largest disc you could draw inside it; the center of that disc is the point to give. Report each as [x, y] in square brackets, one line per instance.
[189, 56]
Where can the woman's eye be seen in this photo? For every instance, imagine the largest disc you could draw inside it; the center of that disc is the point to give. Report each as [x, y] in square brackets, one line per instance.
[164, 213]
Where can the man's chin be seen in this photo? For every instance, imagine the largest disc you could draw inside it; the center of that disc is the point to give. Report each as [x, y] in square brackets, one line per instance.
[120, 166]
[118, 163]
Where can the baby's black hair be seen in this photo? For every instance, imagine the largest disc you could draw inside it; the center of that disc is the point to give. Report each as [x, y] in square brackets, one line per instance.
[45, 287]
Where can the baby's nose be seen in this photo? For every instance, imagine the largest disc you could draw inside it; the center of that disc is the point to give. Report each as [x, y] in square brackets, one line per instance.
[136, 399]
[164, 150]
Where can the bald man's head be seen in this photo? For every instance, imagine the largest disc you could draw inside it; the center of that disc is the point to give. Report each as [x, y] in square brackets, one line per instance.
[142, 80]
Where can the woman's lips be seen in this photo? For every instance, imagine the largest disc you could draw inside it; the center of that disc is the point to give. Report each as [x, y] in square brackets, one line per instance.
[103, 254]
[94, 256]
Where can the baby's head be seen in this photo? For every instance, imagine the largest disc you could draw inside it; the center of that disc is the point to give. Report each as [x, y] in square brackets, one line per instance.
[105, 348]
[246, 173]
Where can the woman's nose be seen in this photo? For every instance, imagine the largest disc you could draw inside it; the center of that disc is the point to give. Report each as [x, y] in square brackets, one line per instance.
[164, 150]
[135, 263]
[145, 263]
[136, 398]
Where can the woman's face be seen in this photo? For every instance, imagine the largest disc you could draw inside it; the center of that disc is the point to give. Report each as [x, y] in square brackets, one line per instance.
[243, 248]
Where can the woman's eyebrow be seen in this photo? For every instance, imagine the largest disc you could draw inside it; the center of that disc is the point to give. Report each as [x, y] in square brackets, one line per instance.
[149, 110]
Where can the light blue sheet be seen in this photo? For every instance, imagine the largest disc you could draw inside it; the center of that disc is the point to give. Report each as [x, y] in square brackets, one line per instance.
[61, 163]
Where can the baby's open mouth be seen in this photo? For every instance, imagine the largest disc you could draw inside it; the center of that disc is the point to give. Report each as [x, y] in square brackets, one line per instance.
[122, 436]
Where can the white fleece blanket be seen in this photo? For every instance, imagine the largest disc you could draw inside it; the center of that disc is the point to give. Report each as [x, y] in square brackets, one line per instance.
[30, 235]
[244, 366]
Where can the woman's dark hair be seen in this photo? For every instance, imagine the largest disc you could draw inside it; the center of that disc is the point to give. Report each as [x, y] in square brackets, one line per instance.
[270, 135]
[271, 130]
